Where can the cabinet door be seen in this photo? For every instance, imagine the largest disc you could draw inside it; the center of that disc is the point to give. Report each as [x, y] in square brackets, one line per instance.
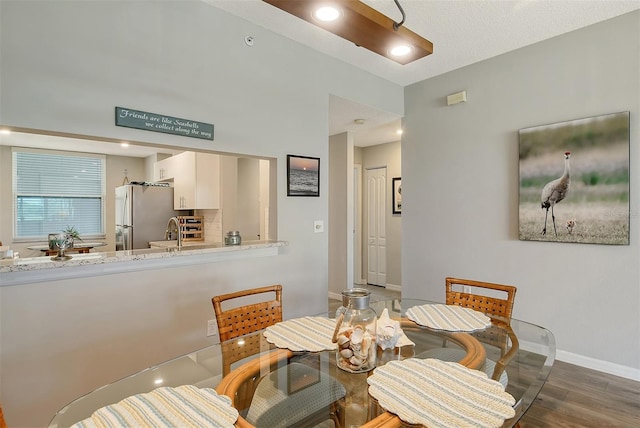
[196, 183]
[164, 170]
[207, 181]
[184, 183]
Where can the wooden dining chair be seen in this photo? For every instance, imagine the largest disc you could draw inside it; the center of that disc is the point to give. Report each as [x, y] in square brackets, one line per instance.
[3, 424]
[496, 301]
[248, 318]
[259, 395]
[236, 321]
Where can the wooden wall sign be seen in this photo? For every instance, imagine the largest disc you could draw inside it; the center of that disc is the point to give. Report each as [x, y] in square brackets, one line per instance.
[160, 123]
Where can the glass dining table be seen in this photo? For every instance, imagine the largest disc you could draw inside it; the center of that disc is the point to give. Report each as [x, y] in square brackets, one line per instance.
[270, 386]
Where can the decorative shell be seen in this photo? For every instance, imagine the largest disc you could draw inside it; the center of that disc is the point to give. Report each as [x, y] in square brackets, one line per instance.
[389, 334]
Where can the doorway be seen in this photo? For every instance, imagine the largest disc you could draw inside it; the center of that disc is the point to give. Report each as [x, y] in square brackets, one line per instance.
[376, 179]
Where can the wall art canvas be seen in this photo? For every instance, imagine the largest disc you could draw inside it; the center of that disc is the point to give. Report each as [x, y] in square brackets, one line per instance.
[303, 176]
[574, 181]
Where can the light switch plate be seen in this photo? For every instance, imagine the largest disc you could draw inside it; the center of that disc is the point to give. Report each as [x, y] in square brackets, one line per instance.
[212, 328]
[318, 226]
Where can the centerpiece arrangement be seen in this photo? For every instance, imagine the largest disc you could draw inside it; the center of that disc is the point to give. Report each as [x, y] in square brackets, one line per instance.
[64, 241]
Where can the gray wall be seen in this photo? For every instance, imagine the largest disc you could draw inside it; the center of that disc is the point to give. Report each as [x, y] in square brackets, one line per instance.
[64, 67]
[460, 187]
[248, 215]
[339, 201]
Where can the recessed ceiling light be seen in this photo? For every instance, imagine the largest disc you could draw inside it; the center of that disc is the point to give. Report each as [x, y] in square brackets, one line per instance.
[124, 144]
[5, 132]
[358, 121]
[158, 381]
[399, 132]
[401, 50]
[327, 13]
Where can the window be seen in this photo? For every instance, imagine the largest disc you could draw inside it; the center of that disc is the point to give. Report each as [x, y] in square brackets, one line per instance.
[53, 190]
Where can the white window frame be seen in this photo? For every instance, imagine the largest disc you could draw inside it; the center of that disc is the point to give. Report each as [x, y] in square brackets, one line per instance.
[103, 201]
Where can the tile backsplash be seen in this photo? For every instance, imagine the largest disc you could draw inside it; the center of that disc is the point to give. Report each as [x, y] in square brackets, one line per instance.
[212, 225]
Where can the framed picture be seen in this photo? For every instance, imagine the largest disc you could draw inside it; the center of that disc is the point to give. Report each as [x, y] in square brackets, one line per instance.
[397, 195]
[574, 181]
[303, 176]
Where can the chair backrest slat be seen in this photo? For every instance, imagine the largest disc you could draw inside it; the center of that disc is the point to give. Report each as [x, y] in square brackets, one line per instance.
[247, 318]
[501, 307]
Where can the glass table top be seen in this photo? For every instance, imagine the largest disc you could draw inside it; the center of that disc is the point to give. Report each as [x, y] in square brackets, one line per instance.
[303, 374]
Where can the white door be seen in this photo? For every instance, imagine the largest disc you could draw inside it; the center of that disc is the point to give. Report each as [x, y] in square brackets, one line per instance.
[376, 231]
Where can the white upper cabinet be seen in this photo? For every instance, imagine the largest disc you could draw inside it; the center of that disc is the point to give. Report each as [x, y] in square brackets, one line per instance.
[164, 170]
[196, 181]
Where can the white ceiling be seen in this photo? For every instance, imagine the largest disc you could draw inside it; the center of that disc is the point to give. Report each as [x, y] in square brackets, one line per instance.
[51, 142]
[463, 32]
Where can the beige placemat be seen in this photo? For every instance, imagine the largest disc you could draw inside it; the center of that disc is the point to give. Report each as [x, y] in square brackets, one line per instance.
[302, 334]
[436, 393]
[448, 317]
[183, 406]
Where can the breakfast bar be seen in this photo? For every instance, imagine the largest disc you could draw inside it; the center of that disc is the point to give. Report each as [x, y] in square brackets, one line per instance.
[37, 269]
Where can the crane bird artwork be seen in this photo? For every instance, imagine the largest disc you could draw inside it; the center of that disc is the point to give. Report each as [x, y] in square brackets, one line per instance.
[554, 192]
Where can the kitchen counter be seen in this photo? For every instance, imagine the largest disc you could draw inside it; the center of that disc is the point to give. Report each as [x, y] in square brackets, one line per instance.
[39, 269]
[174, 244]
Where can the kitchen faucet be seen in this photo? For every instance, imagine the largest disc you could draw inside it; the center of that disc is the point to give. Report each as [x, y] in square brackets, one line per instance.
[177, 229]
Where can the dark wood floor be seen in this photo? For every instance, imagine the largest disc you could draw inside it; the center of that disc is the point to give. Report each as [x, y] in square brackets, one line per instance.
[577, 397]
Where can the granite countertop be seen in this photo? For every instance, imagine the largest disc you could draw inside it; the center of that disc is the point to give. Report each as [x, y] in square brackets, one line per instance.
[194, 252]
[174, 244]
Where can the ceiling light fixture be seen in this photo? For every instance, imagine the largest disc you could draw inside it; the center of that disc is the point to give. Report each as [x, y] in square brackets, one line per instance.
[327, 13]
[363, 25]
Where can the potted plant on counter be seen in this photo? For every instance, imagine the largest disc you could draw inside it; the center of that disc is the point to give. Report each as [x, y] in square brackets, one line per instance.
[72, 234]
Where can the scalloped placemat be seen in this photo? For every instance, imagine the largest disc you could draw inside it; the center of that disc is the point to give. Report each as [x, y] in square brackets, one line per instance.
[312, 334]
[436, 393]
[448, 317]
[185, 405]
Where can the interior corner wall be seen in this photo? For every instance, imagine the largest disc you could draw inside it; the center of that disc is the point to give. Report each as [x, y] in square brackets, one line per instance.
[340, 168]
[460, 188]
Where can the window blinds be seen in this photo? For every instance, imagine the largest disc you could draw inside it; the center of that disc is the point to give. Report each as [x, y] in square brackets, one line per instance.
[53, 190]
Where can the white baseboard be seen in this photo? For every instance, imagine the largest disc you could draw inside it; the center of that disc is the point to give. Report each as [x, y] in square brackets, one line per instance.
[393, 287]
[335, 296]
[599, 365]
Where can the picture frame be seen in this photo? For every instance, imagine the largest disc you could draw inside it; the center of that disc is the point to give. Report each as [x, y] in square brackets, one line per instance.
[303, 176]
[396, 195]
[574, 181]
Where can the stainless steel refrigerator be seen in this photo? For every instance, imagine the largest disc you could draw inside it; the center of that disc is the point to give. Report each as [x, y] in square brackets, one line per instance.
[142, 214]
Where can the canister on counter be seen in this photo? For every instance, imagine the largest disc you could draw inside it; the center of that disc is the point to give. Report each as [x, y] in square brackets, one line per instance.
[233, 238]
